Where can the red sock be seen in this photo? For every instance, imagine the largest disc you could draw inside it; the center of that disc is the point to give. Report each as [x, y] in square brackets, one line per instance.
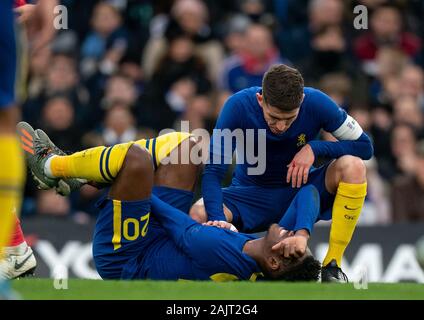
[18, 235]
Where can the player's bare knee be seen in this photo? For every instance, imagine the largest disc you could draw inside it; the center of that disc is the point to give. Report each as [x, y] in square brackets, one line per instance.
[138, 161]
[352, 169]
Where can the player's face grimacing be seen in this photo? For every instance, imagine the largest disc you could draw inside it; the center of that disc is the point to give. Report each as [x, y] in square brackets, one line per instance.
[278, 121]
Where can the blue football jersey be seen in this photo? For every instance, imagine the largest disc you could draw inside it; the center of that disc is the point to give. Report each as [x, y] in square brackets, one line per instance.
[242, 111]
[180, 248]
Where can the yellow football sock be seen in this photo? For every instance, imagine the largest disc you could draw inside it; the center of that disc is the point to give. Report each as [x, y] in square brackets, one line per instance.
[160, 147]
[100, 164]
[11, 183]
[347, 207]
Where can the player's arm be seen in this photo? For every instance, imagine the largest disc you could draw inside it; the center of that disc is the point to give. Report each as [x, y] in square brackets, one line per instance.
[303, 211]
[352, 140]
[300, 218]
[175, 222]
[188, 235]
[219, 158]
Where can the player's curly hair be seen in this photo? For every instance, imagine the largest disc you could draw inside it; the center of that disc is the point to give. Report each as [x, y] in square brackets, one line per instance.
[282, 87]
[307, 270]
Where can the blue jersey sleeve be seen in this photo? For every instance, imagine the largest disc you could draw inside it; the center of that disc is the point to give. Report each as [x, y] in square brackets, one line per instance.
[352, 140]
[219, 158]
[303, 211]
[362, 148]
[212, 250]
[175, 222]
[7, 54]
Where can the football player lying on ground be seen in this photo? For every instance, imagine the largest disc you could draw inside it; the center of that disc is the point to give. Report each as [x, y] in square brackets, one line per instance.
[144, 231]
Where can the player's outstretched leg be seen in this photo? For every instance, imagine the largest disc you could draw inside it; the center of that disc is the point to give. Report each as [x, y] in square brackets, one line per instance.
[346, 177]
[52, 169]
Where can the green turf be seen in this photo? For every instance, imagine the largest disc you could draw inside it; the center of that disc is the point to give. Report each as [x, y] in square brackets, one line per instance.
[162, 290]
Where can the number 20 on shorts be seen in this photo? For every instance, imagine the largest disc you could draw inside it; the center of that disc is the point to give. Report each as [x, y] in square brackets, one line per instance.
[121, 228]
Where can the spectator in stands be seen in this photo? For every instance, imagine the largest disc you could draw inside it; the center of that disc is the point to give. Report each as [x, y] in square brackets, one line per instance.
[235, 37]
[258, 12]
[407, 110]
[119, 88]
[38, 66]
[106, 43]
[387, 30]
[338, 86]
[328, 55]
[160, 111]
[189, 17]
[180, 61]
[58, 120]
[179, 76]
[296, 40]
[408, 192]
[199, 109]
[130, 67]
[119, 127]
[61, 78]
[403, 147]
[251, 64]
[390, 63]
[411, 83]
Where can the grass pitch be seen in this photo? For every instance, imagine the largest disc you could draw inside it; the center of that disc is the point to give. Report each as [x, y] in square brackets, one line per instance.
[42, 289]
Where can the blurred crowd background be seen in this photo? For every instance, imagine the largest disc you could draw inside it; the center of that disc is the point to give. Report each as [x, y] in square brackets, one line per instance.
[125, 69]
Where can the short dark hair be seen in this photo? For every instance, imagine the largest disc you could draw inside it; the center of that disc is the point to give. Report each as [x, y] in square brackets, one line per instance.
[282, 87]
[308, 270]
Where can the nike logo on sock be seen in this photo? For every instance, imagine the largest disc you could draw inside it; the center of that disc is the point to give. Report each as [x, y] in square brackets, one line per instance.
[347, 208]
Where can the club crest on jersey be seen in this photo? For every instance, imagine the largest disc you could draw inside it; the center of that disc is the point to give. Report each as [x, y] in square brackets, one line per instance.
[301, 140]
